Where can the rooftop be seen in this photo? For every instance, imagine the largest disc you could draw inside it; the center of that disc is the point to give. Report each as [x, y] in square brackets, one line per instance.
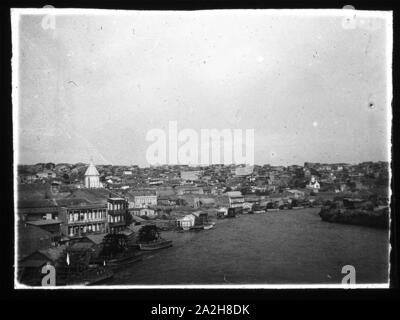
[116, 199]
[91, 170]
[43, 222]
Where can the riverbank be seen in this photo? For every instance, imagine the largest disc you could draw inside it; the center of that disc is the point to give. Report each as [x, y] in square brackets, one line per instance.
[369, 218]
[285, 247]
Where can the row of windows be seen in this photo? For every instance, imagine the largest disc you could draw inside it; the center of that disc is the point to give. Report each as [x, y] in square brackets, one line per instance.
[116, 206]
[88, 210]
[114, 219]
[116, 229]
[85, 216]
[146, 199]
[91, 228]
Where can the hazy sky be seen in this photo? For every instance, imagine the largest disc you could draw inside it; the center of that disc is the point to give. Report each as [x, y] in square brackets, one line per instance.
[95, 85]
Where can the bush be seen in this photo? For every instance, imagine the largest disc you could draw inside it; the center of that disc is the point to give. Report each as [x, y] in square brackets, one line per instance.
[148, 233]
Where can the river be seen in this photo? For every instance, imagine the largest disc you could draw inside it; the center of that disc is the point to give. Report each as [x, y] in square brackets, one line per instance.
[285, 247]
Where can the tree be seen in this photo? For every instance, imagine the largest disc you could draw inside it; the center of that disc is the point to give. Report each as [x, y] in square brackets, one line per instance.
[114, 244]
[65, 176]
[128, 218]
[148, 233]
[50, 166]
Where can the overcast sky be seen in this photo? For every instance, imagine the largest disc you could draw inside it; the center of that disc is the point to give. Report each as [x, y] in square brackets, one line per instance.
[95, 85]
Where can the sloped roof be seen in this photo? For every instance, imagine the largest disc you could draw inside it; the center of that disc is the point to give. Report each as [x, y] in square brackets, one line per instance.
[41, 203]
[44, 222]
[138, 219]
[165, 192]
[91, 170]
[142, 193]
[232, 194]
[81, 246]
[53, 254]
[96, 238]
[99, 195]
[67, 202]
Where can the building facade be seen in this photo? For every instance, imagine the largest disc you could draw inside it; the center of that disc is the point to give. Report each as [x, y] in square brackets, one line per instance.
[79, 221]
[236, 199]
[117, 212]
[313, 184]
[142, 199]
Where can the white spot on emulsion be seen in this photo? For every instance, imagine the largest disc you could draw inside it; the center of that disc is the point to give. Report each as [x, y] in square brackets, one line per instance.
[260, 59]
[315, 124]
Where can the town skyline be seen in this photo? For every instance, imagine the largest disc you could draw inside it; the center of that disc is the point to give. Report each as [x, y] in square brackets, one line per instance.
[200, 165]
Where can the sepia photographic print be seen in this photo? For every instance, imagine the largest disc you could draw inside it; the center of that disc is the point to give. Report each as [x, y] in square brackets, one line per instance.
[202, 149]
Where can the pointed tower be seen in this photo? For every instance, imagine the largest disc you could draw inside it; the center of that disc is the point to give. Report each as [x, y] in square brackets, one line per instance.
[92, 177]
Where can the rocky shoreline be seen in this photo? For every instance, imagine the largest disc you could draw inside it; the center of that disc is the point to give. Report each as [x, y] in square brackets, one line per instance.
[378, 218]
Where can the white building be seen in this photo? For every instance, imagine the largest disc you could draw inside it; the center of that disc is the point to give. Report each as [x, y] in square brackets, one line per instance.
[186, 222]
[142, 199]
[236, 199]
[92, 177]
[243, 171]
[190, 175]
[314, 184]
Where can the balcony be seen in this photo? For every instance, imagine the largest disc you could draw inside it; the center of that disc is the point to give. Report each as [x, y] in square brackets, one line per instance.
[85, 221]
[117, 224]
[117, 212]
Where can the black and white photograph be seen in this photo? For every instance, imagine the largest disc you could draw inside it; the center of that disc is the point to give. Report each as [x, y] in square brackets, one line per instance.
[227, 148]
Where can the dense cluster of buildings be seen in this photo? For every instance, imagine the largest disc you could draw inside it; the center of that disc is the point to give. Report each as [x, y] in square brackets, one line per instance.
[63, 204]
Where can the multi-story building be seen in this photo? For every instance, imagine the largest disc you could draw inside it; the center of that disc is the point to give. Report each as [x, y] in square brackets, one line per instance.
[117, 211]
[84, 219]
[142, 199]
[45, 209]
[236, 199]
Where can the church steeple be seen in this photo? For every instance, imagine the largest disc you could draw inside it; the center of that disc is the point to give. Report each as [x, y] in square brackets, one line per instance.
[92, 177]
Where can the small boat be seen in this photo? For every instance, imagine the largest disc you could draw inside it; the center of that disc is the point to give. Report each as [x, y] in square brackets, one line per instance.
[150, 239]
[297, 208]
[273, 210]
[258, 211]
[155, 245]
[208, 226]
[100, 278]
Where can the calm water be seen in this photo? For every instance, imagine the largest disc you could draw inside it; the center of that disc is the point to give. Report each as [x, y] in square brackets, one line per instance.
[286, 247]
